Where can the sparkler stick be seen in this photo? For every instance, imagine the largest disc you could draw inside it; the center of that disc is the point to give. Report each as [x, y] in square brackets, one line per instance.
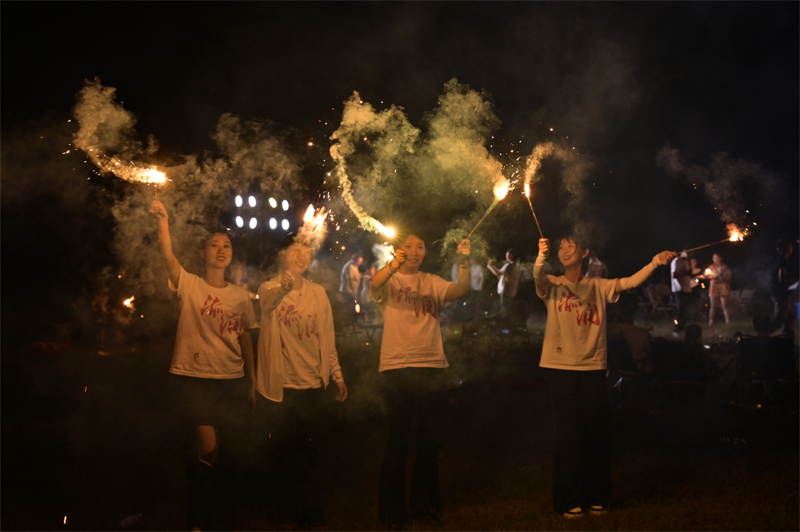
[707, 245]
[484, 216]
[528, 197]
[500, 191]
[735, 236]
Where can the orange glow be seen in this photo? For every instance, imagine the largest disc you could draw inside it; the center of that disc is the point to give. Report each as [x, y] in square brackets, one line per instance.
[527, 190]
[734, 234]
[129, 302]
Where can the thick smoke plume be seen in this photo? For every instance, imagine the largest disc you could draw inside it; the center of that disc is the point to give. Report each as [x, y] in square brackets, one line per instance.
[198, 189]
[575, 170]
[724, 181]
[387, 169]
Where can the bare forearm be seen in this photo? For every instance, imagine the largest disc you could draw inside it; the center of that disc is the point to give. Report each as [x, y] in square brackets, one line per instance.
[165, 244]
[461, 288]
[383, 275]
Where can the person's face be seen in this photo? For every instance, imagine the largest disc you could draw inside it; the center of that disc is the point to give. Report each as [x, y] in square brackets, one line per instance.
[717, 259]
[298, 257]
[570, 253]
[218, 251]
[415, 251]
[509, 256]
[359, 261]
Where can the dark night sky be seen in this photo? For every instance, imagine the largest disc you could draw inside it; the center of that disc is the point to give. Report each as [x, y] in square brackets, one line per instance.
[622, 80]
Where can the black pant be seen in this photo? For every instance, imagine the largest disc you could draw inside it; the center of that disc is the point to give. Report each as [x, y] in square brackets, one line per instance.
[292, 427]
[582, 439]
[410, 393]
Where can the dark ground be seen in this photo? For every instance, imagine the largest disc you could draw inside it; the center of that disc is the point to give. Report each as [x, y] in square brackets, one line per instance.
[91, 438]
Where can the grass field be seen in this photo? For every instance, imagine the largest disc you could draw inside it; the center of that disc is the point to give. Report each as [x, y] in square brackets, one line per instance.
[92, 438]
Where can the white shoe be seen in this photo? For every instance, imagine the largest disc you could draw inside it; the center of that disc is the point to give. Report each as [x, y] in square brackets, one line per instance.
[574, 513]
[597, 509]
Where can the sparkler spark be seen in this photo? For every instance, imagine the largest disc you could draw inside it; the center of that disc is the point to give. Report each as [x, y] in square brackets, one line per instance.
[129, 302]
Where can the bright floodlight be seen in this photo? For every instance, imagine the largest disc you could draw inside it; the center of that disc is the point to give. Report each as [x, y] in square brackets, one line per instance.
[273, 223]
[285, 205]
[253, 223]
[238, 201]
[285, 225]
[252, 201]
[273, 203]
[239, 221]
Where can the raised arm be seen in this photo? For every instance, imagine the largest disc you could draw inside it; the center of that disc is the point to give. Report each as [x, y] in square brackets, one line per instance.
[165, 242]
[460, 289]
[626, 283]
[539, 277]
[384, 274]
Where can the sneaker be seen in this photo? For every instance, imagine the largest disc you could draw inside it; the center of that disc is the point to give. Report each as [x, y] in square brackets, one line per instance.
[574, 513]
[597, 509]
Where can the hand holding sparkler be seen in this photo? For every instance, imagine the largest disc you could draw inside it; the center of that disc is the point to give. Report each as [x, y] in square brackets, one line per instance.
[159, 210]
[664, 257]
[400, 255]
[544, 247]
[287, 282]
[463, 248]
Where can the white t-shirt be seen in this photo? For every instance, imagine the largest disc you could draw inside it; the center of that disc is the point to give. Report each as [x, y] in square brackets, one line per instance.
[297, 344]
[412, 335]
[211, 320]
[298, 322]
[575, 334]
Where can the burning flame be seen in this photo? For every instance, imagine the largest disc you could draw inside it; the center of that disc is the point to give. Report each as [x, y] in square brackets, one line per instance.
[129, 302]
[708, 272]
[734, 234]
[527, 190]
[501, 189]
[313, 231]
[358, 308]
[387, 231]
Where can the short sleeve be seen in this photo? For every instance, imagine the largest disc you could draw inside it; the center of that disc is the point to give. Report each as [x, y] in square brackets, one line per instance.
[608, 289]
[185, 282]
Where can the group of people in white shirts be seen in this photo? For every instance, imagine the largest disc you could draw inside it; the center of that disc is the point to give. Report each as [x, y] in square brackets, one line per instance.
[214, 366]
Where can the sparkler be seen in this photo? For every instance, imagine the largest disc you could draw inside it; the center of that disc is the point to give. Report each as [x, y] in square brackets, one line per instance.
[734, 235]
[528, 197]
[313, 231]
[500, 191]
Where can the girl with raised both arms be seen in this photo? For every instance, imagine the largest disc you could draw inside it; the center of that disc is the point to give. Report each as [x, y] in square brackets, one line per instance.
[575, 355]
[411, 368]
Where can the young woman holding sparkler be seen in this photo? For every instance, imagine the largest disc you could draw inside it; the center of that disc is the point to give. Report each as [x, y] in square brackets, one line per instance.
[411, 368]
[213, 352]
[574, 353]
[296, 360]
